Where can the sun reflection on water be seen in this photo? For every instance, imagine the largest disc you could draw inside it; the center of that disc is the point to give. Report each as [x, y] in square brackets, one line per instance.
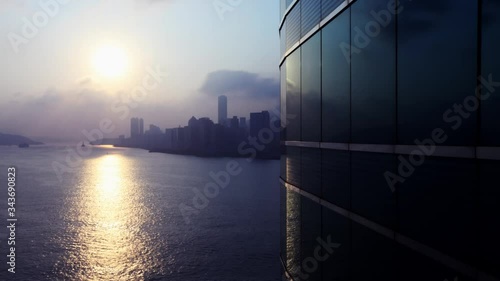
[107, 221]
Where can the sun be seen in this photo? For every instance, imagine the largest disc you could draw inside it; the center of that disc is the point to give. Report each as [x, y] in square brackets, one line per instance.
[110, 61]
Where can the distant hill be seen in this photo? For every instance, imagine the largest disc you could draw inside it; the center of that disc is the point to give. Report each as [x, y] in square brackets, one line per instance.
[6, 139]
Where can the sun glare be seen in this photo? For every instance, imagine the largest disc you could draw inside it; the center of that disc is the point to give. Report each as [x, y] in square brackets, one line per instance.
[110, 61]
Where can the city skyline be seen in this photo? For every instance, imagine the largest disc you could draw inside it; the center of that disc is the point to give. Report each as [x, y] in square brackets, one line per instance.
[113, 53]
[137, 123]
[204, 137]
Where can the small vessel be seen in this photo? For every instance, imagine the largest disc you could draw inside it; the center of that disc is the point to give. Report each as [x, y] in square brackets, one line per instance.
[83, 144]
[23, 145]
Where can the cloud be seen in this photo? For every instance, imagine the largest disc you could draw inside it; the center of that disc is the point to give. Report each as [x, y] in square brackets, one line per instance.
[84, 81]
[50, 97]
[240, 83]
[55, 112]
[64, 113]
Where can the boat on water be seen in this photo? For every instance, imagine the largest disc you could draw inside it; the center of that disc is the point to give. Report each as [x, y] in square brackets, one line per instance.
[23, 145]
[83, 144]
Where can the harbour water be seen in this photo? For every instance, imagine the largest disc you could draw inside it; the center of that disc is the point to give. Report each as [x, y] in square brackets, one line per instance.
[117, 216]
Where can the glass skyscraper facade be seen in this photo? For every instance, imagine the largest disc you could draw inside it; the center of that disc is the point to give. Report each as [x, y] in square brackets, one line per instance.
[391, 140]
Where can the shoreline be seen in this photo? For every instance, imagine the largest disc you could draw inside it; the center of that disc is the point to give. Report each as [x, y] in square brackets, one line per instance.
[260, 156]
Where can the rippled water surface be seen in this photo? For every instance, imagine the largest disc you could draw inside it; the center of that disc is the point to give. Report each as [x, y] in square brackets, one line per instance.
[116, 216]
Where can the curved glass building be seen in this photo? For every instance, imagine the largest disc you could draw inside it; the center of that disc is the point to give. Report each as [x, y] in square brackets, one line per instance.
[390, 155]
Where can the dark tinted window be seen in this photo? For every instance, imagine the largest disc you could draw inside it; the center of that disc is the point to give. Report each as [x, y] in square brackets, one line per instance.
[373, 62]
[448, 189]
[373, 255]
[311, 89]
[283, 192]
[293, 95]
[336, 229]
[423, 268]
[371, 195]
[311, 170]
[490, 119]
[336, 80]
[489, 244]
[436, 69]
[310, 231]
[335, 177]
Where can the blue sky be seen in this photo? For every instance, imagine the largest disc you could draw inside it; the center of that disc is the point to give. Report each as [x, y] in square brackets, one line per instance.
[51, 78]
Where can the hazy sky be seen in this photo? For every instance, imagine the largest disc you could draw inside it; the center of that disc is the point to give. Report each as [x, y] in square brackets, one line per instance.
[86, 57]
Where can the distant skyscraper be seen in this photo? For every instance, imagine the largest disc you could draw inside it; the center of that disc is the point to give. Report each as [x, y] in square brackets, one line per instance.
[243, 122]
[192, 122]
[259, 121]
[235, 122]
[222, 110]
[154, 130]
[134, 127]
[141, 126]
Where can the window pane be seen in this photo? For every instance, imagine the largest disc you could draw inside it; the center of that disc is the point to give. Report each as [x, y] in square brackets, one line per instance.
[311, 89]
[423, 268]
[293, 165]
[336, 80]
[311, 14]
[283, 192]
[311, 170]
[293, 259]
[293, 95]
[436, 70]
[283, 101]
[371, 195]
[335, 177]
[490, 119]
[373, 61]
[337, 229]
[373, 255]
[283, 47]
[489, 196]
[283, 161]
[310, 232]
[437, 205]
[293, 26]
[327, 6]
